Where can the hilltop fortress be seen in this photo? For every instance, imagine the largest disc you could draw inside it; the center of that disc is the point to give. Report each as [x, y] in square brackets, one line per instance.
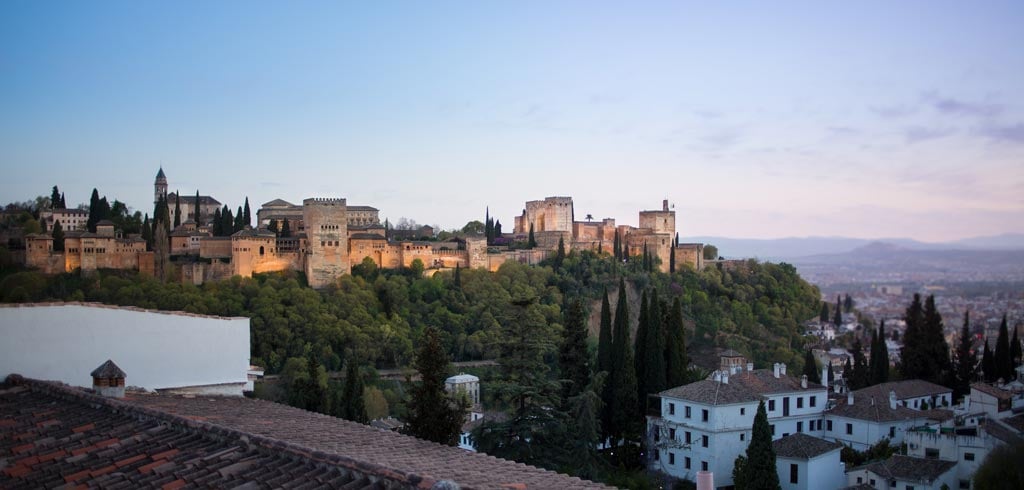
[328, 237]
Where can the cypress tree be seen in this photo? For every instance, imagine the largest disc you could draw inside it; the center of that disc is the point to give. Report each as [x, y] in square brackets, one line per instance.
[286, 229]
[560, 254]
[58, 236]
[811, 367]
[838, 320]
[434, 415]
[1015, 351]
[640, 365]
[823, 316]
[616, 247]
[63, 203]
[988, 365]
[354, 405]
[246, 214]
[488, 227]
[531, 242]
[604, 336]
[496, 232]
[238, 225]
[197, 211]
[758, 467]
[55, 198]
[848, 374]
[912, 363]
[1003, 364]
[272, 226]
[655, 351]
[860, 366]
[620, 390]
[965, 362]
[880, 358]
[572, 355]
[831, 375]
[177, 210]
[227, 221]
[676, 362]
[936, 354]
[848, 303]
[94, 211]
[457, 278]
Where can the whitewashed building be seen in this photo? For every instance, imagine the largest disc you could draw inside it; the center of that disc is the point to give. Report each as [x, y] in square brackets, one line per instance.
[704, 426]
[861, 422]
[904, 473]
[966, 447]
[995, 401]
[805, 462]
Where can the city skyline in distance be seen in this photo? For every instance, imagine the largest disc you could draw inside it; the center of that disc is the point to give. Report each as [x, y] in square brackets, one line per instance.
[868, 121]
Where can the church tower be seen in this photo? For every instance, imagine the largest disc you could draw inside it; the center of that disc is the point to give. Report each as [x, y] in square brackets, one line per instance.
[160, 186]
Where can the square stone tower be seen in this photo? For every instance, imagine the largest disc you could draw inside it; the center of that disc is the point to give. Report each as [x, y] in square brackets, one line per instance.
[326, 223]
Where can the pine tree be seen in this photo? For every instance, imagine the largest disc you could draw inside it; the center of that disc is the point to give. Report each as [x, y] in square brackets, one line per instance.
[354, 405]
[620, 389]
[434, 415]
[58, 236]
[838, 320]
[573, 360]
[604, 336]
[965, 362]
[1003, 364]
[531, 242]
[676, 362]
[640, 349]
[988, 365]
[811, 367]
[655, 351]
[246, 214]
[757, 469]
[823, 316]
[177, 210]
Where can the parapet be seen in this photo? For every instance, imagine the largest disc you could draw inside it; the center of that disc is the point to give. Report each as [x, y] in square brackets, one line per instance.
[324, 201]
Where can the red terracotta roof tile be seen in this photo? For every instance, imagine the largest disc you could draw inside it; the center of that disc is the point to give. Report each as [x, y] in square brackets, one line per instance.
[83, 428]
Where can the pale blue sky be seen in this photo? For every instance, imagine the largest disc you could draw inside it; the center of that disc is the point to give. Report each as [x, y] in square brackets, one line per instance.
[757, 119]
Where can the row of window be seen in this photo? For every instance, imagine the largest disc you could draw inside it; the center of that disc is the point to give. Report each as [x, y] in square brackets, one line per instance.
[687, 462]
[329, 243]
[688, 437]
[688, 413]
[811, 401]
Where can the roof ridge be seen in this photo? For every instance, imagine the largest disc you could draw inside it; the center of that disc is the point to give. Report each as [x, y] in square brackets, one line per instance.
[208, 429]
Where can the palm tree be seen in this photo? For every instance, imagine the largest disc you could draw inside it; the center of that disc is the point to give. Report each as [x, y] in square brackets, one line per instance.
[589, 217]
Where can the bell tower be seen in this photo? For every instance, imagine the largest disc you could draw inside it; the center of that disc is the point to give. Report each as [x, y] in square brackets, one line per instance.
[160, 186]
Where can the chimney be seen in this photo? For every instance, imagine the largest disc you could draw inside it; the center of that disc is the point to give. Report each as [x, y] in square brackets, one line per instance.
[872, 401]
[849, 398]
[750, 367]
[892, 399]
[803, 381]
[824, 376]
[782, 369]
[705, 480]
[108, 380]
[664, 204]
[725, 378]
[775, 369]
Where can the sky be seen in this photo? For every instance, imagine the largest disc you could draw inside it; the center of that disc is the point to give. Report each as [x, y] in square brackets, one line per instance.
[754, 119]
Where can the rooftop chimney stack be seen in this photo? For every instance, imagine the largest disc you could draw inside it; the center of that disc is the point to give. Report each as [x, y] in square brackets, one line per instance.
[775, 369]
[849, 398]
[750, 367]
[782, 369]
[892, 399]
[803, 381]
[705, 480]
[664, 204]
[824, 376]
[108, 380]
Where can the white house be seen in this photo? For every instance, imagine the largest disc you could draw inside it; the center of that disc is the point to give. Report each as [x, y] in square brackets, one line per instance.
[158, 350]
[704, 426]
[808, 463]
[912, 393]
[468, 385]
[904, 473]
[994, 401]
[966, 447]
[860, 422]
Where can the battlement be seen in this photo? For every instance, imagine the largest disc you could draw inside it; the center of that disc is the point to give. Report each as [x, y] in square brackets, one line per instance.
[324, 201]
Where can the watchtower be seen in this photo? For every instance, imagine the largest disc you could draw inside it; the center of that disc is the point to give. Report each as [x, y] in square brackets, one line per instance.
[326, 223]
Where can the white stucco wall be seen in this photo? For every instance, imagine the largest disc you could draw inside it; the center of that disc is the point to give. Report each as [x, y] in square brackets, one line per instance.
[65, 342]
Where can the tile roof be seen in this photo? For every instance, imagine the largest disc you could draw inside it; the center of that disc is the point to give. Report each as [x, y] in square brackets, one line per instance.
[224, 442]
[995, 391]
[278, 202]
[1003, 430]
[763, 381]
[910, 388]
[908, 468]
[711, 392]
[803, 446]
[108, 370]
[879, 411]
[191, 200]
[1016, 422]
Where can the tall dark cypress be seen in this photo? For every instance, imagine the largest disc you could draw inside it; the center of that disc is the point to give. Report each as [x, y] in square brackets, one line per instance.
[434, 414]
[988, 365]
[758, 466]
[655, 351]
[197, 211]
[246, 214]
[676, 362]
[94, 211]
[811, 367]
[177, 209]
[936, 355]
[572, 355]
[604, 336]
[860, 367]
[1003, 364]
[823, 315]
[1015, 351]
[640, 349]
[880, 358]
[965, 362]
[912, 363]
[838, 320]
[620, 389]
[531, 241]
[355, 406]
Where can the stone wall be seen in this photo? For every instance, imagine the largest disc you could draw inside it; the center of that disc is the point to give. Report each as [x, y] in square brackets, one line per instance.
[551, 214]
[689, 254]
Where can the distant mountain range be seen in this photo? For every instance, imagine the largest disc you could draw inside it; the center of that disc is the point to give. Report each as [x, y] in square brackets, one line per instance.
[791, 248]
